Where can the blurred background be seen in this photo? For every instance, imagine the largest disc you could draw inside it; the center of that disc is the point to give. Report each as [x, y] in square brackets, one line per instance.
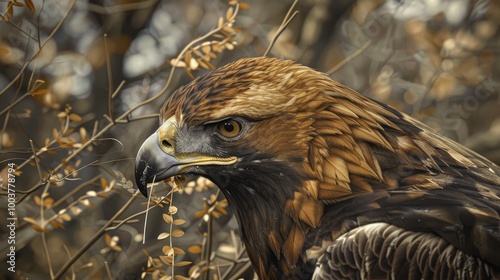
[73, 76]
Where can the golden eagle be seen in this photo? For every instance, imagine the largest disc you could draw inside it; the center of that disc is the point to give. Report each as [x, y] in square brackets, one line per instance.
[326, 183]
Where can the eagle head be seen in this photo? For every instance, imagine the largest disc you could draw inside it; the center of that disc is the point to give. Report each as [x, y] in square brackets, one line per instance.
[247, 127]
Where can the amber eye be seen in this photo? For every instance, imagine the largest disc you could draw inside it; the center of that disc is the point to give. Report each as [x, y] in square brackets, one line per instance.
[229, 128]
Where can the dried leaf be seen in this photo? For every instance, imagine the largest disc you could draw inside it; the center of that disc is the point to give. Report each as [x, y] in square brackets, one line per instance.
[75, 210]
[17, 4]
[167, 259]
[48, 202]
[244, 6]
[206, 49]
[229, 13]
[69, 131]
[212, 55]
[30, 6]
[177, 233]
[215, 214]
[182, 263]
[163, 235]
[195, 249]
[179, 251]
[86, 202]
[210, 65]
[167, 218]
[202, 212]
[193, 64]
[179, 222]
[41, 92]
[56, 224]
[221, 209]
[204, 65]
[167, 250]
[65, 217]
[38, 201]
[172, 210]
[30, 220]
[228, 30]
[197, 52]
[92, 193]
[104, 184]
[83, 133]
[103, 195]
[107, 239]
[188, 72]
[9, 13]
[187, 57]
[75, 117]
[38, 228]
[178, 63]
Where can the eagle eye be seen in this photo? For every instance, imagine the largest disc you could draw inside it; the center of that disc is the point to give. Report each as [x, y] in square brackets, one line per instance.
[229, 128]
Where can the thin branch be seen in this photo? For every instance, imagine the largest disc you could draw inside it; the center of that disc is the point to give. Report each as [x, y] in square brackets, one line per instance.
[110, 78]
[75, 190]
[349, 58]
[18, 28]
[43, 224]
[37, 161]
[94, 238]
[118, 89]
[69, 256]
[171, 237]
[108, 271]
[147, 210]
[128, 220]
[144, 117]
[288, 18]
[49, 38]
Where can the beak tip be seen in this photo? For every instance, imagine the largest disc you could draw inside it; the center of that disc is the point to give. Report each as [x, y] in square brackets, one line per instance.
[143, 190]
[140, 177]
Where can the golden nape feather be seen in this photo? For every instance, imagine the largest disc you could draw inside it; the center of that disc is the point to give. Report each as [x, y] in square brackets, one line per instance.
[327, 183]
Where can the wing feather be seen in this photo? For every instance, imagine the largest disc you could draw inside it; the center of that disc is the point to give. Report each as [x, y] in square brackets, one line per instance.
[384, 251]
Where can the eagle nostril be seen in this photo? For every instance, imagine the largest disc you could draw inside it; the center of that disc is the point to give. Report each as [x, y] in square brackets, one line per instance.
[165, 143]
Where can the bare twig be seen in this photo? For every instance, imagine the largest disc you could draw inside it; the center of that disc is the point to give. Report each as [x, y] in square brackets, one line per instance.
[94, 238]
[349, 58]
[110, 78]
[288, 18]
[108, 271]
[43, 225]
[117, 90]
[51, 35]
[147, 211]
[37, 161]
[144, 117]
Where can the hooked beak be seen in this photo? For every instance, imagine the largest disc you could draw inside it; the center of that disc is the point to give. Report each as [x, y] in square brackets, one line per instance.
[157, 160]
[151, 161]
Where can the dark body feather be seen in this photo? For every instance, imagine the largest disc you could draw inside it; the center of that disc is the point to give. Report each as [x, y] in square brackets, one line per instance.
[331, 183]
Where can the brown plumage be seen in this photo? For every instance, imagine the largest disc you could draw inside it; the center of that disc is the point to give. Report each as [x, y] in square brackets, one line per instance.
[328, 182]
